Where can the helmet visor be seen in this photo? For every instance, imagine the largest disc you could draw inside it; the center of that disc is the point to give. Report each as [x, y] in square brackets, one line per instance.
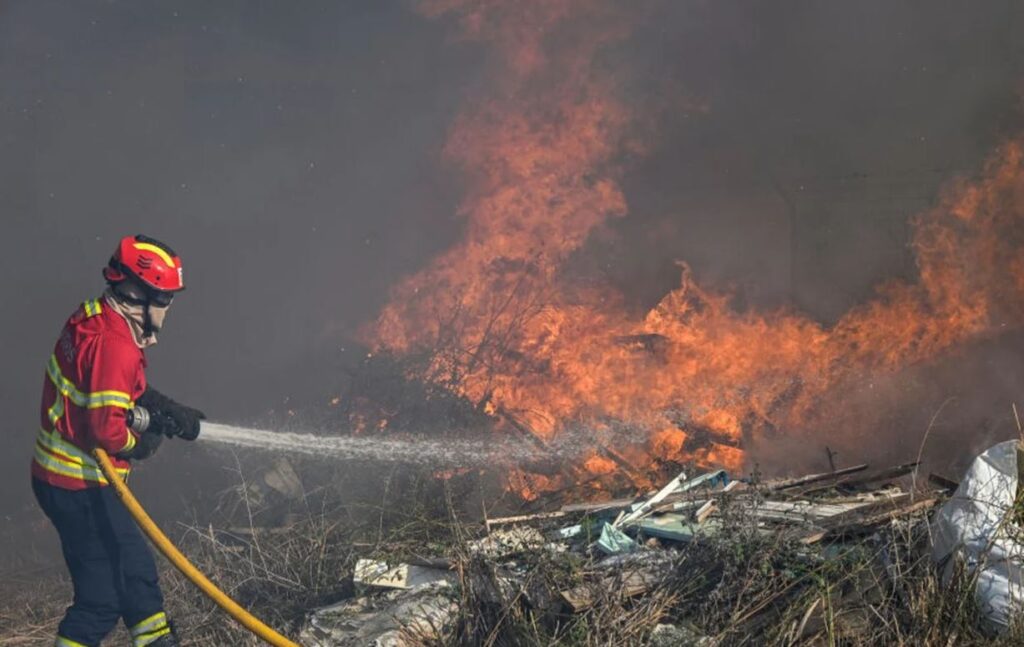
[134, 292]
[161, 299]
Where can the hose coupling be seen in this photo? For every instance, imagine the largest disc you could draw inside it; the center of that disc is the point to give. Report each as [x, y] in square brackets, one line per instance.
[138, 419]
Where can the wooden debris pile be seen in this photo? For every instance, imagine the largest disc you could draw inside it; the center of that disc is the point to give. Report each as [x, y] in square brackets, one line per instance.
[556, 564]
[816, 507]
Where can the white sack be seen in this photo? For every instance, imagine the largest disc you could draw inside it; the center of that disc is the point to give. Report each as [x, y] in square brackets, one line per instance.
[974, 526]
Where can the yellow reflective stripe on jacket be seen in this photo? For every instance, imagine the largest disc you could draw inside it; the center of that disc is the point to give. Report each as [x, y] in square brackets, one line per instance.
[92, 308]
[62, 468]
[53, 441]
[56, 412]
[130, 443]
[61, 457]
[67, 642]
[86, 400]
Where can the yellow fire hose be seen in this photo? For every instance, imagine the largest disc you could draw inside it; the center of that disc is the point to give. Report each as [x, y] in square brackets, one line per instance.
[181, 562]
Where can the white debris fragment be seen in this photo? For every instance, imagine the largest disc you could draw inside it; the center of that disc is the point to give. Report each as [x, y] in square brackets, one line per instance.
[507, 541]
[423, 614]
[975, 526]
[370, 572]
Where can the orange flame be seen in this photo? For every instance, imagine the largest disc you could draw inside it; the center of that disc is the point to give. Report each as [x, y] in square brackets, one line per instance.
[692, 378]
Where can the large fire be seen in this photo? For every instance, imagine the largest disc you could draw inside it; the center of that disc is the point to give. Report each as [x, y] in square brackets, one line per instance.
[693, 379]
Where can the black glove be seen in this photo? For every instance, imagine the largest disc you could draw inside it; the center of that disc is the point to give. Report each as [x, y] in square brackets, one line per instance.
[187, 420]
[145, 446]
[170, 418]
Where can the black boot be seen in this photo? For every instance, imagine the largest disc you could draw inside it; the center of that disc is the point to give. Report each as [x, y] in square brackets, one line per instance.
[167, 640]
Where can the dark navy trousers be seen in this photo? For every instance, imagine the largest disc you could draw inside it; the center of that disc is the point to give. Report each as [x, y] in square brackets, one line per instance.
[111, 565]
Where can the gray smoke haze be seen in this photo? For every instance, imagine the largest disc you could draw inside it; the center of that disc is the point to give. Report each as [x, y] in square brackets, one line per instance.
[290, 152]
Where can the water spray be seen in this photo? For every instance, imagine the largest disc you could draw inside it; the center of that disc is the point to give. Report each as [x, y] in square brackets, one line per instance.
[447, 453]
[417, 451]
[438, 453]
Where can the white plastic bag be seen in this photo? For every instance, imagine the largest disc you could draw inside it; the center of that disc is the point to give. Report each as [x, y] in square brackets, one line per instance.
[975, 526]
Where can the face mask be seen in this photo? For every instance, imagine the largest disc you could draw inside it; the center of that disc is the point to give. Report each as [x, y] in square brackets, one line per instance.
[145, 318]
[156, 318]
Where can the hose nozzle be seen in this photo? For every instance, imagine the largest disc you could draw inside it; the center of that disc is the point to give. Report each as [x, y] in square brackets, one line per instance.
[138, 419]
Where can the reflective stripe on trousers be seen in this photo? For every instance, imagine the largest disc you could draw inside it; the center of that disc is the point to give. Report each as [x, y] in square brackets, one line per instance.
[150, 629]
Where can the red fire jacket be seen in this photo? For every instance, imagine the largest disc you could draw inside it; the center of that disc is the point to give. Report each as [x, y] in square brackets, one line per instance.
[92, 379]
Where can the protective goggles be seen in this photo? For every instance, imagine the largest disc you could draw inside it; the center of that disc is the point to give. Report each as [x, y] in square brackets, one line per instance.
[154, 298]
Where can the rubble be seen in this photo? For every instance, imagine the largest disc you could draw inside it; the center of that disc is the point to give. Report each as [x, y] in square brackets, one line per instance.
[373, 573]
[626, 575]
[396, 619]
[634, 551]
[503, 543]
[666, 635]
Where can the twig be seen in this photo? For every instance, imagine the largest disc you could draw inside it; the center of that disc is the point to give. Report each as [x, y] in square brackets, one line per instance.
[920, 449]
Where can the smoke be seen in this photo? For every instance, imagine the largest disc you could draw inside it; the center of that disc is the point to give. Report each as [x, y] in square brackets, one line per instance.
[294, 154]
[266, 143]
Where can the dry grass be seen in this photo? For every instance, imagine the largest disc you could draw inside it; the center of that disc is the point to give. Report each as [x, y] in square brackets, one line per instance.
[29, 611]
[738, 587]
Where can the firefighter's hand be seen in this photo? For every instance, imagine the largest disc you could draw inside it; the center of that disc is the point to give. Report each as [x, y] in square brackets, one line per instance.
[169, 417]
[186, 419]
[162, 424]
[145, 446]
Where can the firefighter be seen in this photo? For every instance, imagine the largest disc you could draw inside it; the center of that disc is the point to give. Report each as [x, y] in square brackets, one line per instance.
[95, 395]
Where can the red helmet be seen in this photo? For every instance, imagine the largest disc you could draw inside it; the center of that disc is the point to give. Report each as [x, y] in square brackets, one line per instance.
[151, 262]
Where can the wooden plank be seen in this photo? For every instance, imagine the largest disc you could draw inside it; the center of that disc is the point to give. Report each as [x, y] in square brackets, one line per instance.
[785, 484]
[647, 506]
[889, 504]
[686, 500]
[705, 511]
[872, 477]
[803, 511]
[869, 522]
[523, 518]
[600, 506]
[872, 496]
[705, 507]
